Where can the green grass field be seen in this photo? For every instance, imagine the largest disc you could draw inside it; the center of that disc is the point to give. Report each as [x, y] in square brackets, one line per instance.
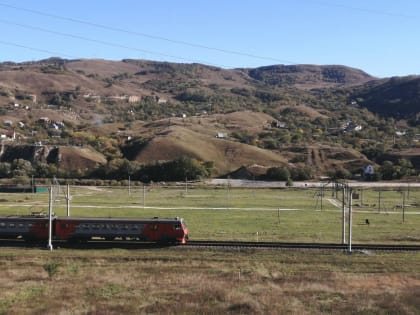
[191, 281]
[224, 213]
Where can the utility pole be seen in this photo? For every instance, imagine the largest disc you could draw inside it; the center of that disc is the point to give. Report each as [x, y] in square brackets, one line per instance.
[144, 195]
[350, 194]
[129, 185]
[228, 192]
[343, 217]
[68, 200]
[49, 246]
[186, 186]
[403, 206]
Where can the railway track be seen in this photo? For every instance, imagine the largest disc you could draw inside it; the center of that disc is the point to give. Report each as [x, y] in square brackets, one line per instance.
[102, 244]
[331, 246]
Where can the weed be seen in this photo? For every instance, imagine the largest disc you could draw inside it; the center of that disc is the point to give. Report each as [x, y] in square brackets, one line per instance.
[51, 268]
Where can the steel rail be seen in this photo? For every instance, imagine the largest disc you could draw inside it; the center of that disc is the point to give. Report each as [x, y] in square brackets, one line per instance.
[102, 244]
[355, 247]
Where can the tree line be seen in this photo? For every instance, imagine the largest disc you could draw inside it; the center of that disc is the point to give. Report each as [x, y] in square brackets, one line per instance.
[21, 171]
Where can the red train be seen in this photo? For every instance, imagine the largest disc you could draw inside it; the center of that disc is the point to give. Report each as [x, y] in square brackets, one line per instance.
[84, 229]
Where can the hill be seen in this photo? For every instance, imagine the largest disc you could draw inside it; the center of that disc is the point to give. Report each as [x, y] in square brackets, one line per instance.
[324, 118]
[396, 97]
[309, 76]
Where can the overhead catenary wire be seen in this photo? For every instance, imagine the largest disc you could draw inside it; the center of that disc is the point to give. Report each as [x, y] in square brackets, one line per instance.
[141, 34]
[369, 11]
[106, 43]
[49, 52]
[182, 42]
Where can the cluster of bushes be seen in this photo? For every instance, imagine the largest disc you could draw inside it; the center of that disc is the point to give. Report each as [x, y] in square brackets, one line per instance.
[21, 171]
[176, 170]
[287, 174]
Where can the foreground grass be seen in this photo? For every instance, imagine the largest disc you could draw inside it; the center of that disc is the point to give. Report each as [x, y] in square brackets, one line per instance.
[186, 281]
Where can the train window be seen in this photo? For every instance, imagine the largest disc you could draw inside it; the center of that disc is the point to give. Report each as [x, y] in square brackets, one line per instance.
[2, 224]
[64, 226]
[134, 227]
[125, 227]
[11, 225]
[30, 225]
[155, 227]
[20, 225]
[177, 226]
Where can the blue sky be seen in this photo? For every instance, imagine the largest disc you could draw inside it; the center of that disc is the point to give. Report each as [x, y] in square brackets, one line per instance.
[377, 36]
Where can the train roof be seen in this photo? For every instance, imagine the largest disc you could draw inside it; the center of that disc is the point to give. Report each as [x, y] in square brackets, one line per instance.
[123, 220]
[24, 217]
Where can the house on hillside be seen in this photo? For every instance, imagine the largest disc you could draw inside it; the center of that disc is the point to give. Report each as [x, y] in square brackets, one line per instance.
[134, 99]
[9, 135]
[43, 120]
[278, 124]
[368, 171]
[221, 135]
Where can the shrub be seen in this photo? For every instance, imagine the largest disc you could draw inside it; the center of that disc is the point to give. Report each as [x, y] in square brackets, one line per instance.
[51, 268]
[278, 173]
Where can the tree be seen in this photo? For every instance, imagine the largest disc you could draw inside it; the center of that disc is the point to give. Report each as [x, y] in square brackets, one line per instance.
[21, 167]
[176, 170]
[5, 169]
[278, 173]
[387, 170]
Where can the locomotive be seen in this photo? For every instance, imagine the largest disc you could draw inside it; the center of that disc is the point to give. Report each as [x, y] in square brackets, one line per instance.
[36, 228]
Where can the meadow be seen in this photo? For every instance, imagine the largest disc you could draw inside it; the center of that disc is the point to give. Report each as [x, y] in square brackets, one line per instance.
[194, 281]
[245, 214]
[191, 281]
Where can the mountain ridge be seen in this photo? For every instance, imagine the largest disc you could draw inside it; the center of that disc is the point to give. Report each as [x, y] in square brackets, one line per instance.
[179, 109]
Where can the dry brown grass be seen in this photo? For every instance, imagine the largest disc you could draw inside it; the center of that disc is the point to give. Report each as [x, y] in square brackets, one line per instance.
[73, 158]
[181, 281]
[227, 155]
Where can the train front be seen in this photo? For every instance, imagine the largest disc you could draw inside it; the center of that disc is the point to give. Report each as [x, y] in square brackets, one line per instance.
[184, 231]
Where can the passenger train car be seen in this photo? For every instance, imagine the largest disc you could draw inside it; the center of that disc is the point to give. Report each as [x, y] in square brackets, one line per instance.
[26, 227]
[84, 229]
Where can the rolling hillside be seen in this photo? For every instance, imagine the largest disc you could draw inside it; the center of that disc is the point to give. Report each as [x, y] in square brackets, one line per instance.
[325, 118]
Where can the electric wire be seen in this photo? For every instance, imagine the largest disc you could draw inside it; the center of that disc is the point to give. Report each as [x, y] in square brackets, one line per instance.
[54, 53]
[135, 33]
[370, 11]
[32, 27]
[179, 42]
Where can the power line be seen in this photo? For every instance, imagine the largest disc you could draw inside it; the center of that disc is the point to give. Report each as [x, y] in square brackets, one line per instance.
[116, 29]
[370, 11]
[49, 52]
[31, 27]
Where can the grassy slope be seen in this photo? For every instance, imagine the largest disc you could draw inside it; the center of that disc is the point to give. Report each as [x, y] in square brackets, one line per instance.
[226, 154]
